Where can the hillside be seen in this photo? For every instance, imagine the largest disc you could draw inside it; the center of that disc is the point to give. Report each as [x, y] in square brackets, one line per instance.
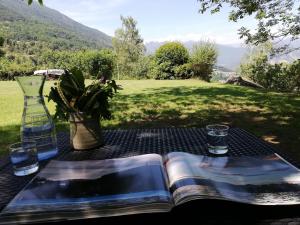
[44, 26]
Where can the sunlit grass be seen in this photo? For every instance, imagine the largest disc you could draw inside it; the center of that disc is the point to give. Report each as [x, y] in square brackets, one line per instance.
[189, 103]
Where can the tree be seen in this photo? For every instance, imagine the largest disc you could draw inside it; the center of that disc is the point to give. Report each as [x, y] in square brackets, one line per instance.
[275, 76]
[1, 41]
[128, 46]
[203, 58]
[96, 64]
[1, 45]
[255, 65]
[277, 20]
[168, 57]
[39, 1]
[99, 64]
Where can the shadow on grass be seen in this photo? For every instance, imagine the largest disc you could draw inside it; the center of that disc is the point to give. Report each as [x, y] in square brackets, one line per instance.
[272, 116]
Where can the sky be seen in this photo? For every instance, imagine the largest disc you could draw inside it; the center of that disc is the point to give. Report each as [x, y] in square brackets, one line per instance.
[158, 20]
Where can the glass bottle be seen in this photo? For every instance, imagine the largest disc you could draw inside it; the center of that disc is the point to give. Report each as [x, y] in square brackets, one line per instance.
[37, 123]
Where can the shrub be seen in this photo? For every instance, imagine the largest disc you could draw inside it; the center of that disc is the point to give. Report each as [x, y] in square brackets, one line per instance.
[255, 68]
[142, 68]
[294, 72]
[165, 71]
[95, 64]
[9, 70]
[279, 76]
[2, 53]
[203, 58]
[153, 69]
[168, 57]
[184, 71]
[1, 41]
[98, 64]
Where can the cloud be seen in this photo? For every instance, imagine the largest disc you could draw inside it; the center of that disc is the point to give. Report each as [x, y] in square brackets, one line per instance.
[228, 39]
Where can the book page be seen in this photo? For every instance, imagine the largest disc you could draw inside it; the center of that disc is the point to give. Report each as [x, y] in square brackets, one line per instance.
[266, 180]
[87, 189]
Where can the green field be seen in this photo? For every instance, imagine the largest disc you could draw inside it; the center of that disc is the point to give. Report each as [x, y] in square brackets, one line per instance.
[275, 117]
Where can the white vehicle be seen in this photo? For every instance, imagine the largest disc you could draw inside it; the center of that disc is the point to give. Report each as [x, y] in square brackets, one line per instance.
[51, 73]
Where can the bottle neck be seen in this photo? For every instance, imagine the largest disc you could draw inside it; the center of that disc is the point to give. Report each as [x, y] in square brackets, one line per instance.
[35, 112]
[34, 106]
[33, 100]
[31, 85]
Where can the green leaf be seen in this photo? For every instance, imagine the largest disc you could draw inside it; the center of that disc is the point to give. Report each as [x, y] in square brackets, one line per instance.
[78, 78]
[92, 100]
[72, 85]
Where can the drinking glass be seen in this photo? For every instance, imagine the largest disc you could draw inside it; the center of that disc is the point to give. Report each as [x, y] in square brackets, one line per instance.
[24, 158]
[217, 135]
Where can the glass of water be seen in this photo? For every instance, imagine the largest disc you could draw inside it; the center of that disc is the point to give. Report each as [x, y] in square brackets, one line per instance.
[24, 158]
[217, 135]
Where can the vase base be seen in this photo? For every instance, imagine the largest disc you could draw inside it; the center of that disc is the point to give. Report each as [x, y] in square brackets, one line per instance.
[87, 148]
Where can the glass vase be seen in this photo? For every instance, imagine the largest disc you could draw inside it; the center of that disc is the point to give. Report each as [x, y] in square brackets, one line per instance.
[37, 124]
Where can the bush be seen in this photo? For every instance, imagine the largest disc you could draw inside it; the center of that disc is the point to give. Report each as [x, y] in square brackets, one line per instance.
[142, 67]
[203, 58]
[9, 70]
[294, 72]
[1, 41]
[153, 69]
[168, 57]
[184, 71]
[279, 76]
[165, 71]
[98, 64]
[94, 64]
[2, 53]
[255, 69]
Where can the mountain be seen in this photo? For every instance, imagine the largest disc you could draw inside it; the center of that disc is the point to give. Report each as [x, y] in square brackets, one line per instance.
[20, 22]
[290, 57]
[229, 57]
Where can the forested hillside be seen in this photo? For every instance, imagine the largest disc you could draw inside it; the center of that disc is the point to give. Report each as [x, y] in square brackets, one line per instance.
[45, 28]
[29, 35]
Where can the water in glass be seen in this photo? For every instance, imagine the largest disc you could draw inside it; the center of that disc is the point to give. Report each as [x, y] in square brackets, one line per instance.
[217, 138]
[24, 158]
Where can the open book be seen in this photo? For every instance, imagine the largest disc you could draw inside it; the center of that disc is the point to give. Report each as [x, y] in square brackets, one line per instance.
[150, 183]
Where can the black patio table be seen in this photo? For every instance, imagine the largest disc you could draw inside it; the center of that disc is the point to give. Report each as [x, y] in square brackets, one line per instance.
[124, 143]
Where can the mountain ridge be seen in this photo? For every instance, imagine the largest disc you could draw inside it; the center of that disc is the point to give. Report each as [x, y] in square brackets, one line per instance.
[231, 63]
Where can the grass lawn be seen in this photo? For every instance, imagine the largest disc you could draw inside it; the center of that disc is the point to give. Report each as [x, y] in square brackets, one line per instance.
[275, 117]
